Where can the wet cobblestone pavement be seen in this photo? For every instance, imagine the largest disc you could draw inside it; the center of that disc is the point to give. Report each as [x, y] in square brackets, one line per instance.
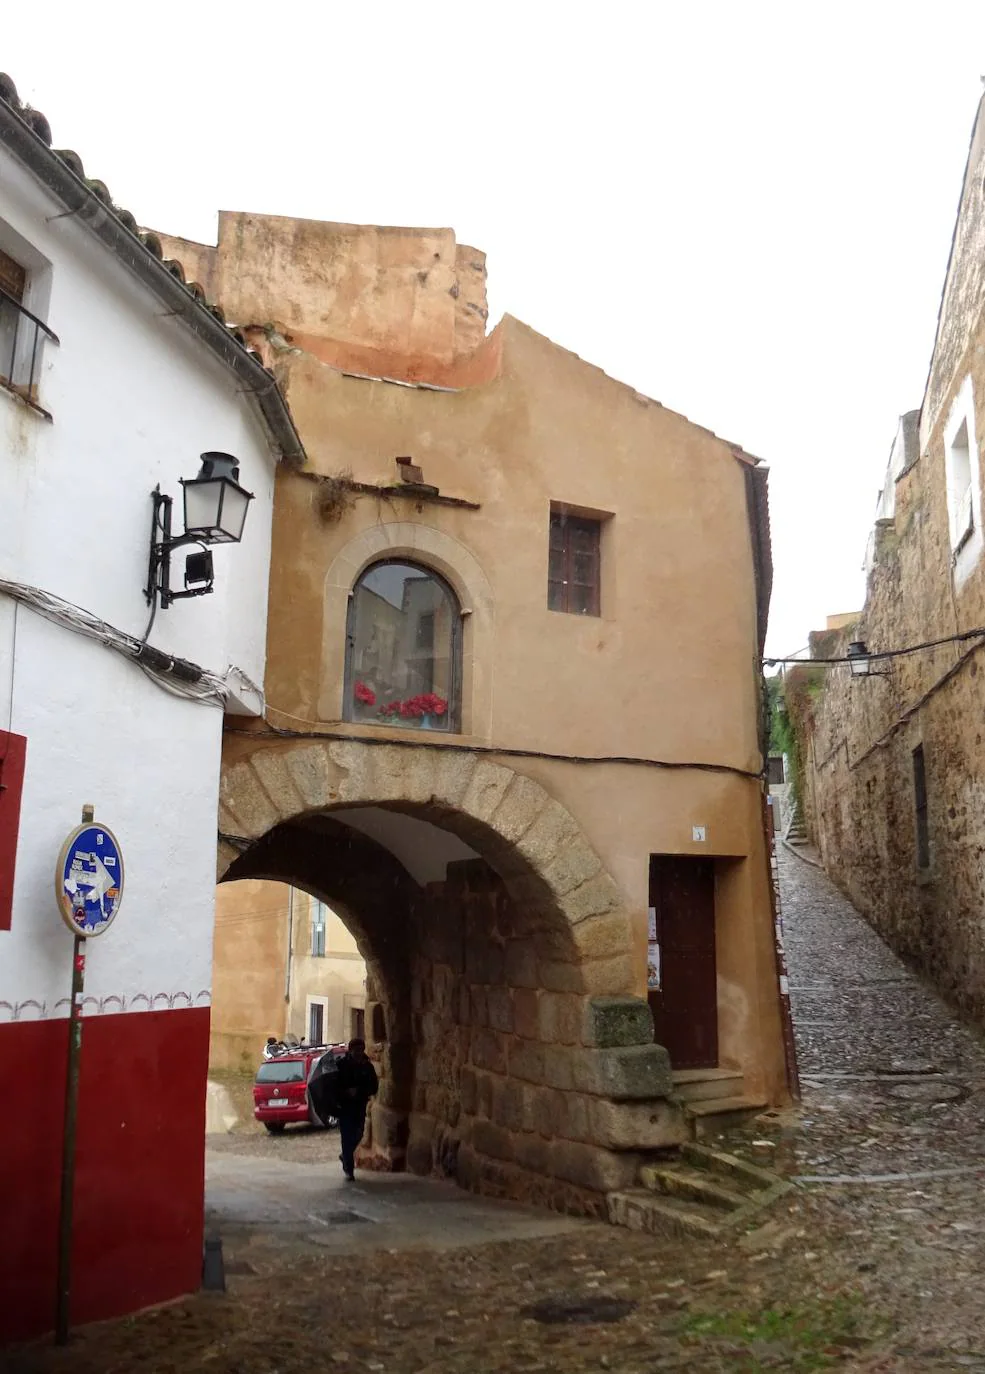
[874, 1263]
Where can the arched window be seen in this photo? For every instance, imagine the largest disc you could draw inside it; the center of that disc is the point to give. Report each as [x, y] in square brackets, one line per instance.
[402, 659]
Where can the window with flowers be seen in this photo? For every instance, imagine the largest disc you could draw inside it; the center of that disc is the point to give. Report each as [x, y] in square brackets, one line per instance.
[402, 660]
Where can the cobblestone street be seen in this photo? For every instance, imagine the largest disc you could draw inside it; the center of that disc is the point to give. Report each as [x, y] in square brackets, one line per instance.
[872, 1264]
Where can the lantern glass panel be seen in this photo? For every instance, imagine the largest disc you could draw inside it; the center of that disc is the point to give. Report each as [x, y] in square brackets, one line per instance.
[232, 514]
[202, 503]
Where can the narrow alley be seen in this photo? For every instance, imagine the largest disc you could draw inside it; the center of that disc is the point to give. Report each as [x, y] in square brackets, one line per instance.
[872, 1263]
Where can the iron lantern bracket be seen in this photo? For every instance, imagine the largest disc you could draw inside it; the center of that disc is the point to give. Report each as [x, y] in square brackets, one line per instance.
[162, 545]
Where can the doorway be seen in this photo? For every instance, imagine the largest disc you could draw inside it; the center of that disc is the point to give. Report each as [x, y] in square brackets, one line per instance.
[683, 992]
[317, 1007]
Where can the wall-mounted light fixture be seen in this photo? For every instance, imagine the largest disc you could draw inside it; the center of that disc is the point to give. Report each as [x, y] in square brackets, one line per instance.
[860, 660]
[215, 513]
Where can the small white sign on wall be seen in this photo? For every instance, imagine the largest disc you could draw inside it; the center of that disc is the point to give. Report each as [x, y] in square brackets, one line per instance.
[698, 834]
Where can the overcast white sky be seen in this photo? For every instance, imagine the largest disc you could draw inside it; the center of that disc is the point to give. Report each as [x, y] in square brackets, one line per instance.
[744, 210]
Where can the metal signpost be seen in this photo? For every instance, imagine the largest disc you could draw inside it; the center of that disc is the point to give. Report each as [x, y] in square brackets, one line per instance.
[88, 890]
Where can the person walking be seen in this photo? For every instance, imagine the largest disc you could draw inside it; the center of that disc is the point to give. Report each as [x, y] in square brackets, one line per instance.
[357, 1083]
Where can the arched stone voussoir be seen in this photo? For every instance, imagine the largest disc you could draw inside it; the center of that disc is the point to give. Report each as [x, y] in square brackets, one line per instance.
[532, 840]
[245, 799]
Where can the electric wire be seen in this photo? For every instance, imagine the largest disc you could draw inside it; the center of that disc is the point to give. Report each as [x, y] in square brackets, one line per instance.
[208, 690]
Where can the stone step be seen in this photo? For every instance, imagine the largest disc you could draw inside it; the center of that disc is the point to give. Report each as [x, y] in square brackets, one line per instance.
[749, 1179]
[691, 1185]
[696, 1085]
[714, 1115]
[640, 1210]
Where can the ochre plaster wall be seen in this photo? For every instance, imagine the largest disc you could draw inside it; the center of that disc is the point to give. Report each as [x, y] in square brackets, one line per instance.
[249, 971]
[667, 674]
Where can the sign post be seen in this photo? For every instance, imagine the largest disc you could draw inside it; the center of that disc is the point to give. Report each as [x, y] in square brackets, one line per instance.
[88, 889]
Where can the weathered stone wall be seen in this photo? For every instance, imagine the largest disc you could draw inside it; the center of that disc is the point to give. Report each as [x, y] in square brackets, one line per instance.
[858, 735]
[533, 1092]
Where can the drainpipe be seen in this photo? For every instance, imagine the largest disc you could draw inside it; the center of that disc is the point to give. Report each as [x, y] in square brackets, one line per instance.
[290, 949]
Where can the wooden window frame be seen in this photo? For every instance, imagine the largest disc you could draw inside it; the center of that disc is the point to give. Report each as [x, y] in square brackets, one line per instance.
[560, 540]
[456, 676]
[13, 757]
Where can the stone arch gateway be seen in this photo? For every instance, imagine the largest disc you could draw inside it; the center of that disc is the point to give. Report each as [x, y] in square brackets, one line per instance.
[516, 1059]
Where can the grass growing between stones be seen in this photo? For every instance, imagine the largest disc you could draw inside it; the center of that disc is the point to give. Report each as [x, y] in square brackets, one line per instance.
[818, 1335]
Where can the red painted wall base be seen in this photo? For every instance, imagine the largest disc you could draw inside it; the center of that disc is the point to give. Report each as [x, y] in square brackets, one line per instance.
[139, 1186]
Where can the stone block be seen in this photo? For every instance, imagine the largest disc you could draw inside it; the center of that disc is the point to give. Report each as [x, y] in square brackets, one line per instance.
[550, 832]
[492, 1140]
[520, 964]
[559, 1066]
[480, 1007]
[573, 865]
[436, 1101]
[612, 976]
[270, 766]
[484, 960]
[609, 1022]
[559, 1018]
[526, 1060]
[525, 1015]
[603, 937]
[507, 1103]
[468, 1090]
[587, 1166]
[522, 801]
[390, 1128]
[420, 1157]
[241, 792]
[574, 1119]
[450, 776]
[658, 1125]
[626, 1073]
[484, 1094]
[558, 976]
[314, 774]
[499, 1001]
[532, 1152]
[548, 1106]
[486, 789]
[489, 1051]
[592, 898]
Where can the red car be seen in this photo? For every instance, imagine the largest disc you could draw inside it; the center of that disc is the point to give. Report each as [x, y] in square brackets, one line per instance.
[280, 1089]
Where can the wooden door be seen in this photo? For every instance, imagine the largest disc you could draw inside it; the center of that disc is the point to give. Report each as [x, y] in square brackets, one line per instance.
[685, 1008]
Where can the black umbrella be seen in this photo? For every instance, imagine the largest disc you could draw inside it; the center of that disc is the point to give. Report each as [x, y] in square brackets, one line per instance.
[323, 1089]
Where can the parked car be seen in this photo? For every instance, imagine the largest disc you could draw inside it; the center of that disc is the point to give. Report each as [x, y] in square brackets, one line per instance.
[280, 1089]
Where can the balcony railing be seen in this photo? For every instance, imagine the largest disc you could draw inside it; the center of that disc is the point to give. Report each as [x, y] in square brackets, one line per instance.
[22, 338]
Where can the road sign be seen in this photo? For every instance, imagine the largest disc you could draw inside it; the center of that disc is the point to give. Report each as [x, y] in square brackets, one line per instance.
[89, 880]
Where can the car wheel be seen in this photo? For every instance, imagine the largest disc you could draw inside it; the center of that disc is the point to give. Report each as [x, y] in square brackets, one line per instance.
[274, 1127]
[315, 1120]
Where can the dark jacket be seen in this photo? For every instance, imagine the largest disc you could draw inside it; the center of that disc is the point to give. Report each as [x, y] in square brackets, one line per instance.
[357, 1082]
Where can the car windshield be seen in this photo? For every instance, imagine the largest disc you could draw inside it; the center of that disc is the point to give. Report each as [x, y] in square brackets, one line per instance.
[281, 1071]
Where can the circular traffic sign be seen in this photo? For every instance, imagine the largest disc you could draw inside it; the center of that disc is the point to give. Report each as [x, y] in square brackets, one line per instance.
[89, 879]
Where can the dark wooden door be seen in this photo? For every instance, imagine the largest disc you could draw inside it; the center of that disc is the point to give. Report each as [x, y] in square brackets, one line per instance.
[685, 1009]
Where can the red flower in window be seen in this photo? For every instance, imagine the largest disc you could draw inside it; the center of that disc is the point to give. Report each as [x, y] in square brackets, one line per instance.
[364, 694]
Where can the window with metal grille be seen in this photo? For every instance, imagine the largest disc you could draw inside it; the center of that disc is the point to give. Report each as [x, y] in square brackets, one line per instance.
[22, 335]
[920, 808]
[573, 564]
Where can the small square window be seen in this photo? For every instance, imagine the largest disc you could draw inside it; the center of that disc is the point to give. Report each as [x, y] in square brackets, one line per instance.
[573, 581]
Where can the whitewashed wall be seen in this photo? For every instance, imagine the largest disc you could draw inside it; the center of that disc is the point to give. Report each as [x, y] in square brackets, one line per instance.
[134, 399]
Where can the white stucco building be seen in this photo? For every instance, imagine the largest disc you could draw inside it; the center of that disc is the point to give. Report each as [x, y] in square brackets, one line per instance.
[133, 377]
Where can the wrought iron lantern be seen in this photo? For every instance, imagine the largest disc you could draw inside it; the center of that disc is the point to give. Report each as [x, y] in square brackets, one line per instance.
[215, 507]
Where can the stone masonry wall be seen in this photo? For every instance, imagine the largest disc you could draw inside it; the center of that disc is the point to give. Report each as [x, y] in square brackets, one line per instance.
[858, 735]
[519, 1089]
